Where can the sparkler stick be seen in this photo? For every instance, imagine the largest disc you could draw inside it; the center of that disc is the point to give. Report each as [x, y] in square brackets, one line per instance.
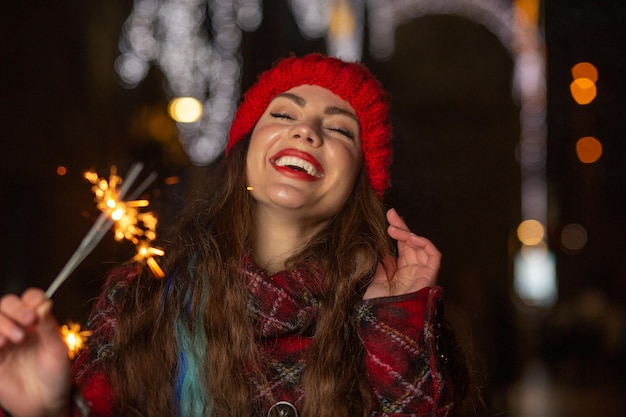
[142, 187]
[97, 231]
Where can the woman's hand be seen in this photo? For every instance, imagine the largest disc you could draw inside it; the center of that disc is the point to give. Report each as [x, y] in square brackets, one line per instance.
[35, 375]
[417, 265]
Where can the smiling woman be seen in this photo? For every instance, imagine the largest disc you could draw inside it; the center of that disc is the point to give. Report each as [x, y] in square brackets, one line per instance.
[304, 153]
[283, 296]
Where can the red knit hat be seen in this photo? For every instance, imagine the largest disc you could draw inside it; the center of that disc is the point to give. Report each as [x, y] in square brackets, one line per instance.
[350, 81]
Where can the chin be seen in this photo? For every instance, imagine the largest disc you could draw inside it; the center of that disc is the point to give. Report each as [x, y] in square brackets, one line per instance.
[282, 196]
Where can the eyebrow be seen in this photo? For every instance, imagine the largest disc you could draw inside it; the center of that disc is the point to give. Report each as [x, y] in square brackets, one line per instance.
[328, 110]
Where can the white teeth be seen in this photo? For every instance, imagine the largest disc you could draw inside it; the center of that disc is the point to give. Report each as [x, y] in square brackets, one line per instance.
[293, 161]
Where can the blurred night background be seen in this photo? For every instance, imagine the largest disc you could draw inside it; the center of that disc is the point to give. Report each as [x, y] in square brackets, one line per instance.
[489, 161]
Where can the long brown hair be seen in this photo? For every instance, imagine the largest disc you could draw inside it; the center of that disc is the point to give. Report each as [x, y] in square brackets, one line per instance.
[205, 300]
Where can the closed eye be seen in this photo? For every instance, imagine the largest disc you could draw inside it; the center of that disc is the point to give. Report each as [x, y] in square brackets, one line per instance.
[341, 131]
[281, 116]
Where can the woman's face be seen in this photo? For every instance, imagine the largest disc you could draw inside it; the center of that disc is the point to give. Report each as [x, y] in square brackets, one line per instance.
[305, 152]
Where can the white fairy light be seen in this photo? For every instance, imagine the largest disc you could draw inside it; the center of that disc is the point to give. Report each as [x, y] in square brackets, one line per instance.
[311, 17]
[386, 15]
[172, 34]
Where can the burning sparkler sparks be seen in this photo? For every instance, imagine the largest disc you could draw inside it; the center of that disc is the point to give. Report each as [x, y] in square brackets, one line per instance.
[74, 338]
[146, 253]
[130, 224]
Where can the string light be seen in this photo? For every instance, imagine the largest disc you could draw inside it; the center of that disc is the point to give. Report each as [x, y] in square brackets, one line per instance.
[172, 35]
[534, 275]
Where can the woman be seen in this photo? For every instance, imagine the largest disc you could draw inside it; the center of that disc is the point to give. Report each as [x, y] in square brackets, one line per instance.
[282, 297]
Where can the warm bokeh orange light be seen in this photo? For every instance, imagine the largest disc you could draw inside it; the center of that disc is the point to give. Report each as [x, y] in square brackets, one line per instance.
[583, 90]
[61, 170]
[529, 7]
[530, 232]
[171, 180]
[588, 149]
[585, 70]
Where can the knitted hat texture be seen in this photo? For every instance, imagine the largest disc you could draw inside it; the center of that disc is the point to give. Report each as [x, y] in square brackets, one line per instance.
[350, 81]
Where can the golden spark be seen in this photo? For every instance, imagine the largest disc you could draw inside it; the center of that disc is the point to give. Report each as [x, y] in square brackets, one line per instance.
[146, 253]
[106, 192]
[110, 201]
[129, 222]
[74, 338]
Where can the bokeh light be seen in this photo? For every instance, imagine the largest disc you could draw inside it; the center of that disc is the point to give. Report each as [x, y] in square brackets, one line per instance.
[342, 22]
[530, 9]
[530, 232]
[588, 149]
[583, 90]
[203, 150]
[535, 280]
[61, 170]
[573, 238]
[185, 109]
[585, 70]
[174, 179]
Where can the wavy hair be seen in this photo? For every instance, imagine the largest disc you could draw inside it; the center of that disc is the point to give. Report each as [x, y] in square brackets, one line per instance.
[195, 326]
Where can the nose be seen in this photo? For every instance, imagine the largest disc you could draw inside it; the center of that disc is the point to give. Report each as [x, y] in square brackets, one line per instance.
[308, 132]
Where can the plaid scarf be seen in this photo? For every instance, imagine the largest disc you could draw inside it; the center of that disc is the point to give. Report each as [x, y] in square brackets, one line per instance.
[285, 308]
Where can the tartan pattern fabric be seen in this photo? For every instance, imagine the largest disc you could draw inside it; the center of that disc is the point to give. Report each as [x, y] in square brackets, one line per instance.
[284, 308]
[398, 333]
[400, 337]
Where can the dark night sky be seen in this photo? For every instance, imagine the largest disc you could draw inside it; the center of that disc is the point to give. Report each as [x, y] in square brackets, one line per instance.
[455, 179]
[593, 195]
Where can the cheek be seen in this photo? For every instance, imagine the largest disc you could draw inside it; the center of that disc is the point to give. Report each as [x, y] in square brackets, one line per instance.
[254, 170]
[253, 166]
[350, 162]
[257, 149]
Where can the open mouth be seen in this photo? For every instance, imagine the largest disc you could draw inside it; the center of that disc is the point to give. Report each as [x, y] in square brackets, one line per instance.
[297, 164]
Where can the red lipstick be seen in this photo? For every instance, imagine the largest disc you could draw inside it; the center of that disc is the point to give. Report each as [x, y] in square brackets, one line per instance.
[297, 164]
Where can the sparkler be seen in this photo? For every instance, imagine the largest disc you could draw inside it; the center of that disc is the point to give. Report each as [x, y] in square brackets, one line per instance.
[110, 201]
[74, 338]
[145, 252]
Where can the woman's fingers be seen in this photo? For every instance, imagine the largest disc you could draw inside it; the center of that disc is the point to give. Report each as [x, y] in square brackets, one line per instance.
[395, 220]
[14, 316]
[18, 315]
[418, 258]
[416, 267]
[10, 331]
[34, 363]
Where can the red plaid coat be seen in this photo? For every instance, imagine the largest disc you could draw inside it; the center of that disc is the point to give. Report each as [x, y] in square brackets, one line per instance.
[400, 334]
